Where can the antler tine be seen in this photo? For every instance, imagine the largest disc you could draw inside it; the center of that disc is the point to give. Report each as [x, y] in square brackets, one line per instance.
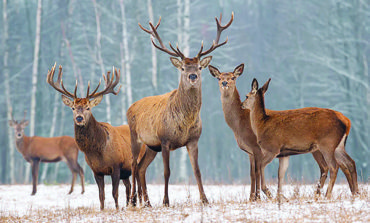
[58, 85]
[215, 43]
[154, 34]
[110, 83]
[177, 50]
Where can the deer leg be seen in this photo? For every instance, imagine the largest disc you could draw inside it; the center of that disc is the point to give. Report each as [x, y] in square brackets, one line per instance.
[115, 183]
[73, 169]
[193, 155]
[100, 182]
[258, 177]
[283, 166]
[167, 172]
[143, 165]
[333, 168]
[252, 196]
[35, 163]
[127, 184]
[323, 170]
[82, 177]
[347, 165]
[265, 160]
[135, 149]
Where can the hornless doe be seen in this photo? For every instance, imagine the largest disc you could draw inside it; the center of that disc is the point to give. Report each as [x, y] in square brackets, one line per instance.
[239, 121]
[299, 131]
[106, 147]
[37, 149]
[172, 120]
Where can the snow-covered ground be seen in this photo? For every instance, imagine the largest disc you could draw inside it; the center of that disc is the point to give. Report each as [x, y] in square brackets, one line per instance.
[228, 203]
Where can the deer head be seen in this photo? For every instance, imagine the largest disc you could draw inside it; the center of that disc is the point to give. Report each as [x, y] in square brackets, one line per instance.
[255, 93]
[81, 107]
[190, 68]
[226, 80]
[18, 126]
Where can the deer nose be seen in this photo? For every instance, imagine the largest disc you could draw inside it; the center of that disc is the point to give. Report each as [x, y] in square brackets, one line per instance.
[193, 76]
[79, 118]
[19, 135]
[224, 83]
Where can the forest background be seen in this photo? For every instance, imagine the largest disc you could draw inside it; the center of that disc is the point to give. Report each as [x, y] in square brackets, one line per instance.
[316, 52]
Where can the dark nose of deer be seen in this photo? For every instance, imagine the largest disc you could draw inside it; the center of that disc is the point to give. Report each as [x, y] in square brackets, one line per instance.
[79, 118]
[19, 135]
[193, 76]
[224, 83]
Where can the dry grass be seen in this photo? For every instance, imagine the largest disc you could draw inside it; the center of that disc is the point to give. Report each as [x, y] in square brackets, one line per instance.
[227, 204]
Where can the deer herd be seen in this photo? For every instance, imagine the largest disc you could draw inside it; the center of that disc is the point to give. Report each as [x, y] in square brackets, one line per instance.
[166, 122]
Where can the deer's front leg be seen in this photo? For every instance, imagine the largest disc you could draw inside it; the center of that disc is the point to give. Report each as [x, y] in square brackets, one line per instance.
[167, 172]
[193, 155]
[100, 182]
[115, 183]
[35, 163]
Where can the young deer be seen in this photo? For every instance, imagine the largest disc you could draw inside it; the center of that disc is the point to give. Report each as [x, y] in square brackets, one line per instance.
[172, 120]
[299, 131]
[37, 149]
[239, 121]
[106, 147]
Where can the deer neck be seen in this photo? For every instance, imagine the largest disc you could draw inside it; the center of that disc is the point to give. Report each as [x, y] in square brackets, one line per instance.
[234, 114]
[90, 137]
[189, 100]
[258, 114]
[22, 144]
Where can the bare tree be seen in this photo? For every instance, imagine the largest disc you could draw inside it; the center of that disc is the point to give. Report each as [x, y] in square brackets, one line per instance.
[34, 78]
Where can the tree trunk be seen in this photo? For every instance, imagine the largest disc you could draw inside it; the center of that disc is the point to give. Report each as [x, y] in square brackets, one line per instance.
[34, 78]
[99, 58]
[126, 63]
[154, 52]
[7, 91]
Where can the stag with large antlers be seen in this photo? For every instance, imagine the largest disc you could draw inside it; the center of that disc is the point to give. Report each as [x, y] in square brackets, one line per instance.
[299, 131]
[239, 121]
[37, 149]
[106, 147]
[172, 120]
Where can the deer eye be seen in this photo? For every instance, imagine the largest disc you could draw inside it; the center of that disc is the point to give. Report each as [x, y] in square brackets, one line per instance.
[200, 68]
[233, 78]
[87, 108]
[73, 109]
[246, 97]
[218, 78]
[182, 69]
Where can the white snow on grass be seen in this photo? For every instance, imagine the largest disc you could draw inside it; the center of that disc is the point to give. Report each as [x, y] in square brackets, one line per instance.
[228, 203]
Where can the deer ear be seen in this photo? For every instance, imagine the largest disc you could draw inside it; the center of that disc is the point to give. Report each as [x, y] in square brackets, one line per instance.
[67, 101]
[266, 86]
[176, 62]
[95, 101]
[205, 61]
[239, 70]
[214, 71]
[254, 85]
[24, 123]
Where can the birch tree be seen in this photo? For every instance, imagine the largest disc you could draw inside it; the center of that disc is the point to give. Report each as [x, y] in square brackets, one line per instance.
[34, 78]
[7, 90]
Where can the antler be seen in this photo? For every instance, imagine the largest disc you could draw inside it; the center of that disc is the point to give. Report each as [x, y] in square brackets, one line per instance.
[109, 85]
[58, 85]
[153, 32]
[215, 44]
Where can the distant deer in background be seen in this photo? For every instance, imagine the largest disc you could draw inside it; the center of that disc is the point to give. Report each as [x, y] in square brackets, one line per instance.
[107, 148]
[238, 120]
[37, 149]
[172, 120]
[299, 131]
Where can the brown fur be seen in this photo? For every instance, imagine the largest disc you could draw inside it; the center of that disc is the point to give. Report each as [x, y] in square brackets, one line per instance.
[301, 131]
[238, 120]
[53, 149]
[169, 121]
